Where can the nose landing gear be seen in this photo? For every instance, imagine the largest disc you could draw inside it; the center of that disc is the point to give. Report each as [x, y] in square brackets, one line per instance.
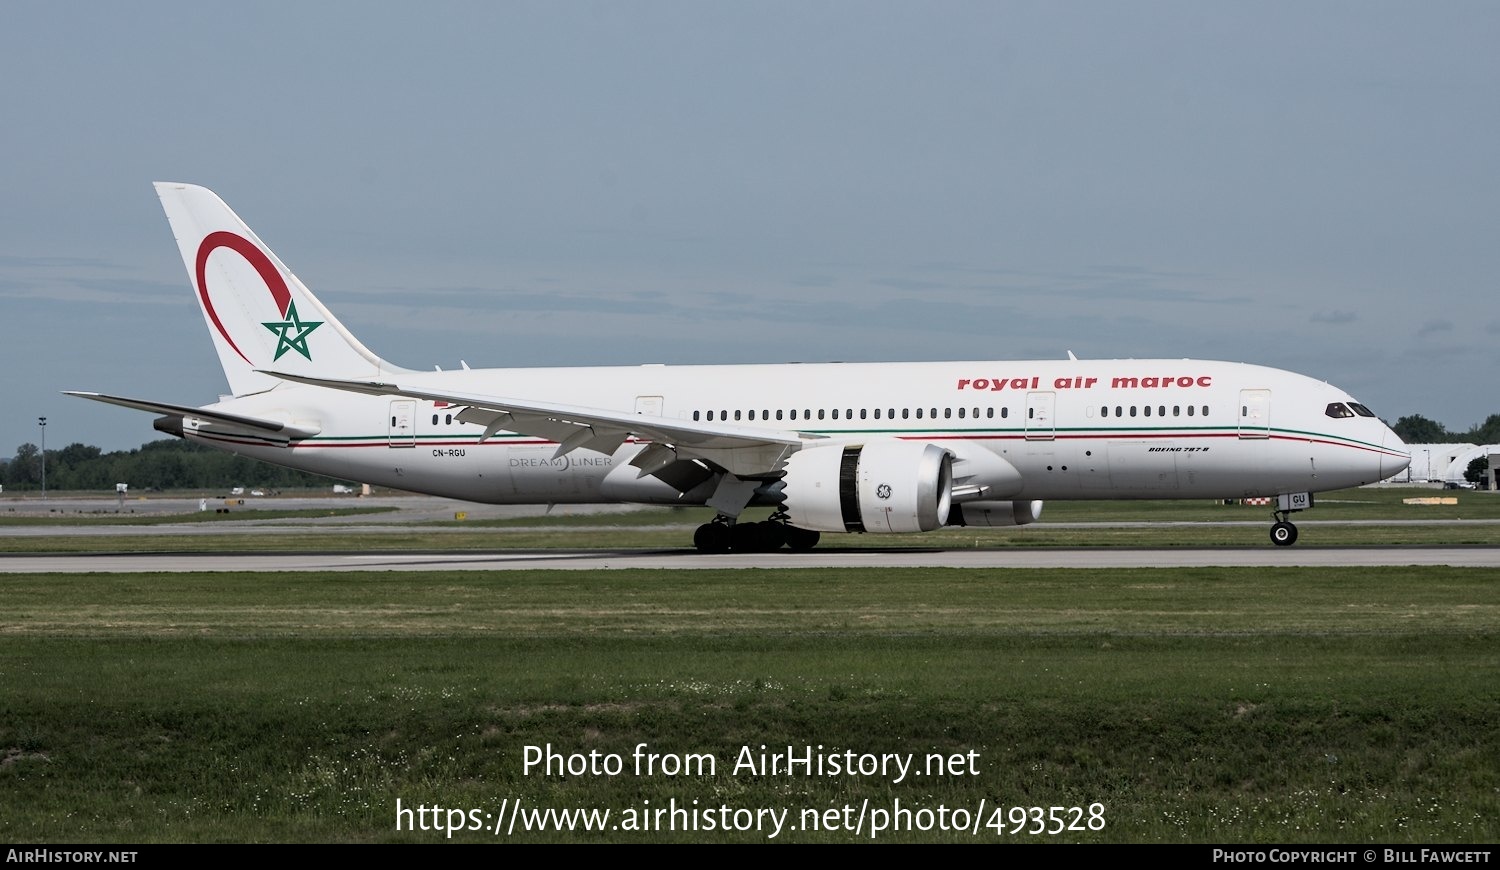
[1283, 533]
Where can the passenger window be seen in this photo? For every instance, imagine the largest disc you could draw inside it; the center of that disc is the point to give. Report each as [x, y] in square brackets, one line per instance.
[736, 415]
[1147, 410]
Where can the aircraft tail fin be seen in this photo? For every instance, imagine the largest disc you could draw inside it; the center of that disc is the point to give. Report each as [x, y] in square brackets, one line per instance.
[258, 314]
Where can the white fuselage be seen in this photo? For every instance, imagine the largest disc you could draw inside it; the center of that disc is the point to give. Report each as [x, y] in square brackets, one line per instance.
[1074, 429]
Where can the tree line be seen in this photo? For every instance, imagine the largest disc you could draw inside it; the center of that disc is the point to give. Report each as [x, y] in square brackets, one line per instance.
[1416, 429]
[166, 464]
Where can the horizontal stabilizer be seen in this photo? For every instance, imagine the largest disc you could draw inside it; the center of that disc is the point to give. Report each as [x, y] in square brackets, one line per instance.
[277, 427]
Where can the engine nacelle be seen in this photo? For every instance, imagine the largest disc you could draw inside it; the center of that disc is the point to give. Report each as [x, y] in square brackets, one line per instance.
[994, 514]
[882, 487]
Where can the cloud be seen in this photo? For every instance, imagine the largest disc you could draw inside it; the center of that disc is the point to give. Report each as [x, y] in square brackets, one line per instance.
[1334, 317]
[1112, 284]
[1432, 327]
[1428, 354]
[76, 291]
[17, 262]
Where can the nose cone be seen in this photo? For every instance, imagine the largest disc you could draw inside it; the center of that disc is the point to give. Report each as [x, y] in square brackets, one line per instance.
[1394, 458]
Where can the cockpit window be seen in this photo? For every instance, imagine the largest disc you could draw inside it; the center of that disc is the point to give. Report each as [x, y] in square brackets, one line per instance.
[1361, 410]
[1338, 410]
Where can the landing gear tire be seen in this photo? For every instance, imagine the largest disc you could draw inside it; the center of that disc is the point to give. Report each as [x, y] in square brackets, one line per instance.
[756, 537]
[712, 538]
[722, 536]
[1283, 534]
[801, 539]
[773, 536]
[745, 537]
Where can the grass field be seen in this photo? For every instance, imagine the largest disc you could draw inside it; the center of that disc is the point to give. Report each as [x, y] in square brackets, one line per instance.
[193, 518]
[1214, 705]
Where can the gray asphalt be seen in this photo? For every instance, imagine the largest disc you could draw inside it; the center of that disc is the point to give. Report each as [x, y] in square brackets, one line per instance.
[419, 508]
[594, 560]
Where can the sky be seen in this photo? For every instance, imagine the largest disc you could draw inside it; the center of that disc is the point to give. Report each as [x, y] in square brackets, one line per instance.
[1312, 186]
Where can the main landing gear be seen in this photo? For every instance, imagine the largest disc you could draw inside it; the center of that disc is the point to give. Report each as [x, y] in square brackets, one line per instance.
[724, 535]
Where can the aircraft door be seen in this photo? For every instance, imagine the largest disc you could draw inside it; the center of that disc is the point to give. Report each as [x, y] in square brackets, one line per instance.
[1040, 410]
[403, 424]
[1255, 413]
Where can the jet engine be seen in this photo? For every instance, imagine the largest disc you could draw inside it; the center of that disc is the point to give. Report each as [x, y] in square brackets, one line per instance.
[995, 513]
[881, 487]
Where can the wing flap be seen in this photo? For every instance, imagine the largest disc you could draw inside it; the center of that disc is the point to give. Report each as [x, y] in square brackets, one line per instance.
[741, 450]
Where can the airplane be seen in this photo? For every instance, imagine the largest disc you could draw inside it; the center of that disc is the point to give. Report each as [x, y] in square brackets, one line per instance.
[873, 448]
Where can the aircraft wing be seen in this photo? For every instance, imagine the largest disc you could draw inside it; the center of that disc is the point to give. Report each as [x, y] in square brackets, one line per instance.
[742, 450]
[261, 424]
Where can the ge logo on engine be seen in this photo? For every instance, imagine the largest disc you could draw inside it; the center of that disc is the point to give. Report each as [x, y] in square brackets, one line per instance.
[883, 490]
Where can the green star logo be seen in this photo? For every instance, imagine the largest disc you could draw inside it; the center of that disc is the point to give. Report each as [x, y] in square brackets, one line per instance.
[291, 334]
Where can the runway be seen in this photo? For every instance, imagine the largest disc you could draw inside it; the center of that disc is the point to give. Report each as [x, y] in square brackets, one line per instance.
[657, 560]
[406, 512]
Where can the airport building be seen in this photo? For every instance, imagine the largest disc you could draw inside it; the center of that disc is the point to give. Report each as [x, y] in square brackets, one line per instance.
[1446, 463]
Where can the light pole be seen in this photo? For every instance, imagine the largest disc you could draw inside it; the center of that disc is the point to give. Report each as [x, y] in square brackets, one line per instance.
[42, 422]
